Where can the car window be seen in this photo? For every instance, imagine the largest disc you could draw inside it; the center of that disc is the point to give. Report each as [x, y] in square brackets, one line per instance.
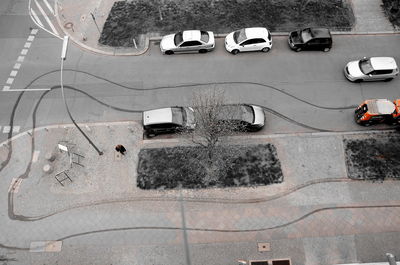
[306, 35]
[190, 43]
[365, 66]
[243, 113]
[239, 36]
[247, 42]
[178, 38]
[178, 116]
[204, 36]
[259, 40]
[383, 72]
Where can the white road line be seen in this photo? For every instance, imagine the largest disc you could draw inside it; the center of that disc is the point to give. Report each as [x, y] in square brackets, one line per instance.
[10, 81]
[34, 31]
[6, 88]
[17, 66]
[6, 129]
[20, 59]
[33, 89]
[27, 45]
[24, 51]
[35, 16]
[16, 129]
[31, 38]
[13, 73]
[14, 185]
[49, 6]
[46, 18]
[35, 156]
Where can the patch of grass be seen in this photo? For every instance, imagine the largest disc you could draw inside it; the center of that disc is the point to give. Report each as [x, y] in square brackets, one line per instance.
[391, 12]
[375, 158]
[167, 168]
[129, 19]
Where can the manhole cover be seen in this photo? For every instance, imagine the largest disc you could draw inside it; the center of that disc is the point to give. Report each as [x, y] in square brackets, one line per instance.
[264, 247]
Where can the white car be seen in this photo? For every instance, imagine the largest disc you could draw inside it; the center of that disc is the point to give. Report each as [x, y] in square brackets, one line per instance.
[248, 39]
[188, 41]
[371, 69]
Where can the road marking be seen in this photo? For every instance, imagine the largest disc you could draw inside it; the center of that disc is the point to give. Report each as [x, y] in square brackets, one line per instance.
[46, 18]
[31, 38]
[10, 81]
[6, 129]
[16, 129]
[17, 66]
[35, 156]
[6, 88]
[45, 246]
[49, 6]
[14, 185]
[13, 73]
[36, 17]
[27, 45]
[20, 59]
[24, 51]
[34, 31]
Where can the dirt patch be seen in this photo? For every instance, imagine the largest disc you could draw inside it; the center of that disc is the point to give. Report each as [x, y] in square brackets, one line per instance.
[373, 158]
[392, 10]
[127, 20]
[167, 168]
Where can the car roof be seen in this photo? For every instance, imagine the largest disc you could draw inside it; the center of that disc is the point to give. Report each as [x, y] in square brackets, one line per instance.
[256, 32]
[157, 116]
[189, 35]
[321, 32]
[380, 106]
[382, 63]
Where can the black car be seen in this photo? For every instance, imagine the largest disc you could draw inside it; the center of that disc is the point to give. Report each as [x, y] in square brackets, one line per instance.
[310, 39]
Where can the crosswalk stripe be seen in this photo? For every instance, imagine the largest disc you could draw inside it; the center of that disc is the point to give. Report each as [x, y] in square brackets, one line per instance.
[6, 129]
[13, 73]
[46, 18]
[6, 88]
[49, 6]
[36, 17]
[34, 31]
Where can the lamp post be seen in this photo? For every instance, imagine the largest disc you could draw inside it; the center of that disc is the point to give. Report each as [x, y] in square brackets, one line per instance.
[63, 57]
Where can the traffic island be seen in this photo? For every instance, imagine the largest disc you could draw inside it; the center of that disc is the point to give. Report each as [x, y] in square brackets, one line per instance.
[373, 157]
[128, 20]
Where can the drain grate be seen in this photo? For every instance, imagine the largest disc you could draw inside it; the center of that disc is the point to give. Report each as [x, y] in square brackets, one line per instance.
[264, 247]
[258, 262]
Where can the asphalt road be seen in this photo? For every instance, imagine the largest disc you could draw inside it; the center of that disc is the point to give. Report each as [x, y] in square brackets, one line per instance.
[299, 86]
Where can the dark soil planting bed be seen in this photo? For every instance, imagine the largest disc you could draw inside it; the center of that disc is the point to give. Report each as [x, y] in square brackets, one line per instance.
[375, 158]
[167, 168]
[392, 10]
[127, 20]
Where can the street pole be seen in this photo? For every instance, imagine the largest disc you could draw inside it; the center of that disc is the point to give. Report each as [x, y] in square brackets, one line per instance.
[63, 57]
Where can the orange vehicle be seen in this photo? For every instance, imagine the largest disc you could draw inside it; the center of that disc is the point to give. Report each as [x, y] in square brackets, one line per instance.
[374, 111]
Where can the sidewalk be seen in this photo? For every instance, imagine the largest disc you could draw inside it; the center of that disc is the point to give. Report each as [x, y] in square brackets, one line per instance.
[76, 21]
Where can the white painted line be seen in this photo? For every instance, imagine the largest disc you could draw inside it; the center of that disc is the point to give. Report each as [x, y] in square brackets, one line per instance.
[16, 129]
[27, 45]
[28, 89]
[31, 38]
[46, 18]
[13, 73]
[6, 88]
[17, 66]
[24, 51]
[45, 246]
[10, 81]
[49, 6]
[20, 59]
[35, 16]
[14, 185]
[34, 31]
[6, 129]
[35, 156]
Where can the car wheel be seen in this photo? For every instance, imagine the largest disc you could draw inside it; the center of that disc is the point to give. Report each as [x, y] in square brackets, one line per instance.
[169, 52]
[388, 79]
[234, 52]
[202, 51]
[367, 124]
[265, 49]
[327, 49]
[298, 49]
[357, 81]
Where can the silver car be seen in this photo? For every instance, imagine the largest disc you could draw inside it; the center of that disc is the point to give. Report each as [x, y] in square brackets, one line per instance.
[371, 69]
[188, 41]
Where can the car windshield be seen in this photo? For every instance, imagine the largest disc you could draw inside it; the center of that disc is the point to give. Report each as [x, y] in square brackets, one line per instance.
[178, 116]
[178, 38]
[204, 36]
[306, 35]
[239, 36]
[238, 112]
[365, 66]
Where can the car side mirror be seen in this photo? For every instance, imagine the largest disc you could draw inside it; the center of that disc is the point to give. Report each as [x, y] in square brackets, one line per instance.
[364, 57]
[370, 75]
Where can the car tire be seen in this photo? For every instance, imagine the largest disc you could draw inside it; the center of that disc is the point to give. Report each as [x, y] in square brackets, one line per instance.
[265, 49]
[367, 124]
[388, 79]
[298, 49]
[169, 52]
[202, 51]
[235, 51]
[327, 49]
[357, 81]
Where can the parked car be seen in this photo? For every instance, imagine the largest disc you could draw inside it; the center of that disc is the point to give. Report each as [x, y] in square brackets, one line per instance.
[248, 39]
[188, 41]
[371, 69]
[310, 39]
[243, 117]
[167, 120]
